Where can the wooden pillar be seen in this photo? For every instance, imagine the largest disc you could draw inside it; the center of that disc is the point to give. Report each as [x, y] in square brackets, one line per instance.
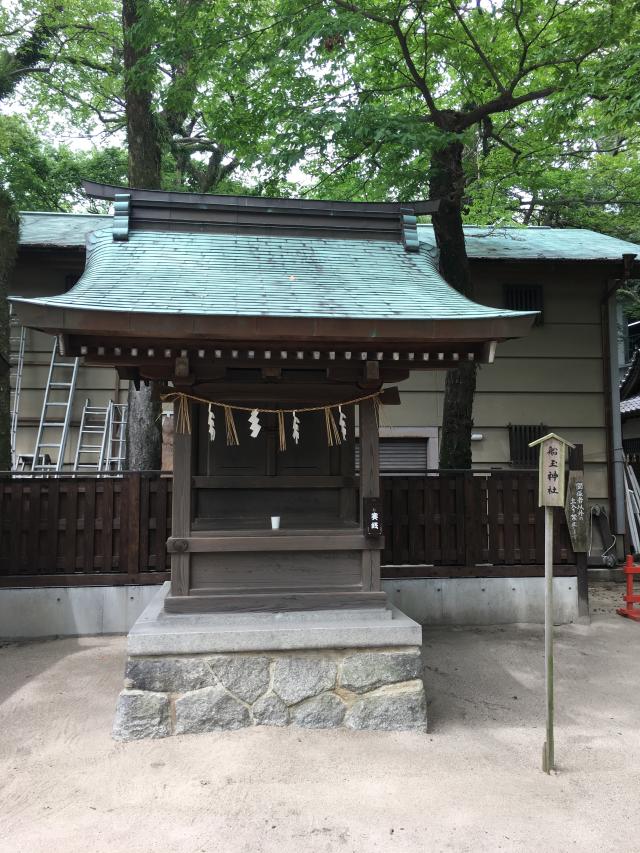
[181, 505]
[369, 486]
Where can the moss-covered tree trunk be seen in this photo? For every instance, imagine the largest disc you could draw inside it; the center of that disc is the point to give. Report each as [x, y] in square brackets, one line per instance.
[447, 183]
[144, 435]
[8, 248]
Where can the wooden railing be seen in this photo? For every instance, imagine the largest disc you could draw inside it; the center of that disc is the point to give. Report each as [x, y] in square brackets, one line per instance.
[97, 529]
[84, 529]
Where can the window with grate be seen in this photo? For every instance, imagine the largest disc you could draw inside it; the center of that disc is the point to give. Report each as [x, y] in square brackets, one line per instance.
[520, 436]
[525, 297]
[400, 455]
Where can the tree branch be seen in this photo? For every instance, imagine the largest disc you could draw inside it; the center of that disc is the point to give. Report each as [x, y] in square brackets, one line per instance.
[417, 78]
[502, 103]
[476, 46]
[358, 10]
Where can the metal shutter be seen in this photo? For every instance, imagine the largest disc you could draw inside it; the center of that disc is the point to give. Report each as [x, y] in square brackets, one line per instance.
[400, 455]
[520, 436]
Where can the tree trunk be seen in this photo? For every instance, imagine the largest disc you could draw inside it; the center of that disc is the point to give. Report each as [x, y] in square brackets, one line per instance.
[145, 156]
[447, 182]
[144, 428]
[8, 248]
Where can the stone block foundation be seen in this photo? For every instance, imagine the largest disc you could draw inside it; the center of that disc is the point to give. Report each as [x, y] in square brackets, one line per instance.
[368, 688]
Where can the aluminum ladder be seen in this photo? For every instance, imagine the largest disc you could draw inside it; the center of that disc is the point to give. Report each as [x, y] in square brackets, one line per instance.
[17, 342]
[92, 438]
[55, 418]
[116, 440]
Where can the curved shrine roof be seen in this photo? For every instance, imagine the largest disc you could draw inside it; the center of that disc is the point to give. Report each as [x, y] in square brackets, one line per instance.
[189, 267]
[247, 275]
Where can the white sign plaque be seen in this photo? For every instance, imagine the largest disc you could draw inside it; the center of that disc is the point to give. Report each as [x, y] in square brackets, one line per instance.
[551, 465]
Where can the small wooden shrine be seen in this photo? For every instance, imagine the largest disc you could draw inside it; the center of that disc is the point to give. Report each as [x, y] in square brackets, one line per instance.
[278, 328]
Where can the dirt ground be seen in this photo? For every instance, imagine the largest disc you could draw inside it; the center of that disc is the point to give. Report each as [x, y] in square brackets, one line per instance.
[473, 783]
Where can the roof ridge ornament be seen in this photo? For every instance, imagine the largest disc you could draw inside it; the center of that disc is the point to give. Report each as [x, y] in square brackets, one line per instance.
[409, 222]
[121, 212]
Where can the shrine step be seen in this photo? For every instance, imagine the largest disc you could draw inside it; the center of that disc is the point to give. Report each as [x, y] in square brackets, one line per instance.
[158, 632]
[273, 602]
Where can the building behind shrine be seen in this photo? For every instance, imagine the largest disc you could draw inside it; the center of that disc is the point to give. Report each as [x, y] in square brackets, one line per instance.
[560, 377]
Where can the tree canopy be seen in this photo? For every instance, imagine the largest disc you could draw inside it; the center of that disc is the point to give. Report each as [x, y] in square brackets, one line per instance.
[350, 99]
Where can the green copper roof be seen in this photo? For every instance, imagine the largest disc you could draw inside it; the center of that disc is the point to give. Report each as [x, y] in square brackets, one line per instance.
[273, 276]
[537, 243]
[69, 230]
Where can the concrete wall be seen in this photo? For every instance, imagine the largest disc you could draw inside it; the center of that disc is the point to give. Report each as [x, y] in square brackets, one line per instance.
[481, 601]
[71, 611]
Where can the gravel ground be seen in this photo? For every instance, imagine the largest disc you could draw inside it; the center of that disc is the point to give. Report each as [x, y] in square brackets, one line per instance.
[473, 783]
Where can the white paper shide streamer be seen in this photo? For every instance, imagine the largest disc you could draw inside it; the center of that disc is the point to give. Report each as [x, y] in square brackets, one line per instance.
[211, 422]
[296, 427]
[342, 422]
[254, 423]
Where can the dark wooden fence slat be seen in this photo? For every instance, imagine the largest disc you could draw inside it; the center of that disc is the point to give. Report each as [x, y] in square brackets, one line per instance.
[494, 536]
[53, 530]
[33, 537]
[160, 538]
[398, 518]
[107, 525]
[524, 528]
[446, 538]
[413, 515]
[144, 518]
[15, 536]
[474, 519]
[133, 525]
[509, 519]
[70, 534]
[460, 519]
[429, 527]
[89, 524]
[539, 532]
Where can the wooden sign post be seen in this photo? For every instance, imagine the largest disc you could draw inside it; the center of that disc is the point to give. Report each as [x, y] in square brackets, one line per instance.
[576, 510]
[551, 493]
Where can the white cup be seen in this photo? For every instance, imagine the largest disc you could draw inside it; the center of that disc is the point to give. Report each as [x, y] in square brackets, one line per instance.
[275, 522]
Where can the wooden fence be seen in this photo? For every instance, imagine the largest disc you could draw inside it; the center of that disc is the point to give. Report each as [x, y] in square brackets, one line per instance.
[75, 530]
[471, 522]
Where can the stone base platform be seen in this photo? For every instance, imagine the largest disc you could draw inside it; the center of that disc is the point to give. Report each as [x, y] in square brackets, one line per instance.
[319, 669]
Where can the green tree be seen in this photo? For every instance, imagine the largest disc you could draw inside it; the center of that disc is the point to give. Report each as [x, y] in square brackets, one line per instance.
[406, 98]
[175, 79]
[43, 176]
[15, 65]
